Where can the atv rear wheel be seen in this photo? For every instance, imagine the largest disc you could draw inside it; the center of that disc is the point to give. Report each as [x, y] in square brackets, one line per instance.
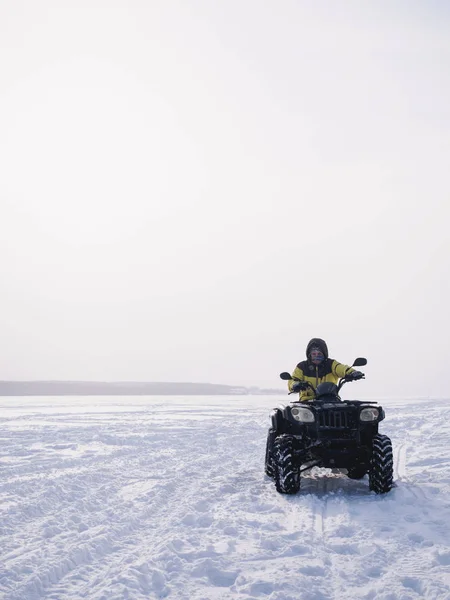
[381, 470]
[268, 466]
[287, 474]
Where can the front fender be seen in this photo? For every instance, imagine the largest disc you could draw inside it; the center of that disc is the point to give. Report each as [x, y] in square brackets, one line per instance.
[276, 417]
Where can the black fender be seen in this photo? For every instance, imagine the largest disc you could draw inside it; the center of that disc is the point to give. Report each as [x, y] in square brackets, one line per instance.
[276, 417]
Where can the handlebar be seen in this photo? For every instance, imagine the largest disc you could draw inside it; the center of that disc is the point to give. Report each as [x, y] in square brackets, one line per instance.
[347, 378]
[305, 386]
[343, 381]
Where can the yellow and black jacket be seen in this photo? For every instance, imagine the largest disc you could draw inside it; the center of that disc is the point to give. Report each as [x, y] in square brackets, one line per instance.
[329, 370]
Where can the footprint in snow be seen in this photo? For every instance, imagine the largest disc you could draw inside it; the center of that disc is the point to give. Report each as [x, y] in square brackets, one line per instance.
[443, 558]
[312, 571]
[216, 576]
[201, 521]
[202, 506]
[413, 584]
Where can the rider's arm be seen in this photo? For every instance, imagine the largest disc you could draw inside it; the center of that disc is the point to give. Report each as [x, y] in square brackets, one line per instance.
[341, 370]
[298, 374]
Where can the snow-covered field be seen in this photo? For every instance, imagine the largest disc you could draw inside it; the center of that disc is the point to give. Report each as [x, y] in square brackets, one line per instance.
[138, 498]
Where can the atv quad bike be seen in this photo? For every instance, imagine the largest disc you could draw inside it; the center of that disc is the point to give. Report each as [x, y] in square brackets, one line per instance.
[328, 432]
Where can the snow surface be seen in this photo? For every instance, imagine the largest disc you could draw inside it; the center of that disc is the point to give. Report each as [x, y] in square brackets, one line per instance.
[113, 498]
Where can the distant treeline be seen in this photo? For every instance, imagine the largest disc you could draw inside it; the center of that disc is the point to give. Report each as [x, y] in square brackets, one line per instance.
[125, 388]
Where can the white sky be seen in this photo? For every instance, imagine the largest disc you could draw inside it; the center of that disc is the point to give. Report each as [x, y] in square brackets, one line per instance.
[192, 190]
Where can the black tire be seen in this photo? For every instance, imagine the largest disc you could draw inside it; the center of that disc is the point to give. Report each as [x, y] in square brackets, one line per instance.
[356, 472]
[381, 472]
[268, 466]
[287, 474]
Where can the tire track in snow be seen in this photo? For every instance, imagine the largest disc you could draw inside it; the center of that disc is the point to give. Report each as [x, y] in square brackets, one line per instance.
[209, 525]
[87, 551]
[319, 519]
[400, 462]
[68, 493]
[133, 539]
[83, 549]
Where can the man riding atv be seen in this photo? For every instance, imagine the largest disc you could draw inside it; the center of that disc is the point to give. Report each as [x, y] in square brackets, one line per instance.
[327, 431]
[316, 369]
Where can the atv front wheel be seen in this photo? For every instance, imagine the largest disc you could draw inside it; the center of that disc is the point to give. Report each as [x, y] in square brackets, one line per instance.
[287, 474]
[381, 470]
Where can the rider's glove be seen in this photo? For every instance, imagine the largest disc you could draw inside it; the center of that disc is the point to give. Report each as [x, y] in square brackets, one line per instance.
[354, 375]
[298, 386]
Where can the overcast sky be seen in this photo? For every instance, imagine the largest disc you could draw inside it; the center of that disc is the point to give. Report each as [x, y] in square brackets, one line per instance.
[191, 190]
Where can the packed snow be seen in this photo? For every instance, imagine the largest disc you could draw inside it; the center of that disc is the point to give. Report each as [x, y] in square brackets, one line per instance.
[113, 498]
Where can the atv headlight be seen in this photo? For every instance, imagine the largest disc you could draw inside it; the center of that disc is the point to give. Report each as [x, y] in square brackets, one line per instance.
[369, 414]
[303, 415]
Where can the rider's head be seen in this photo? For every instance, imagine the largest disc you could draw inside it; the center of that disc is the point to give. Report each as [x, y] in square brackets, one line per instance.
[316, 351]
[316, 356]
